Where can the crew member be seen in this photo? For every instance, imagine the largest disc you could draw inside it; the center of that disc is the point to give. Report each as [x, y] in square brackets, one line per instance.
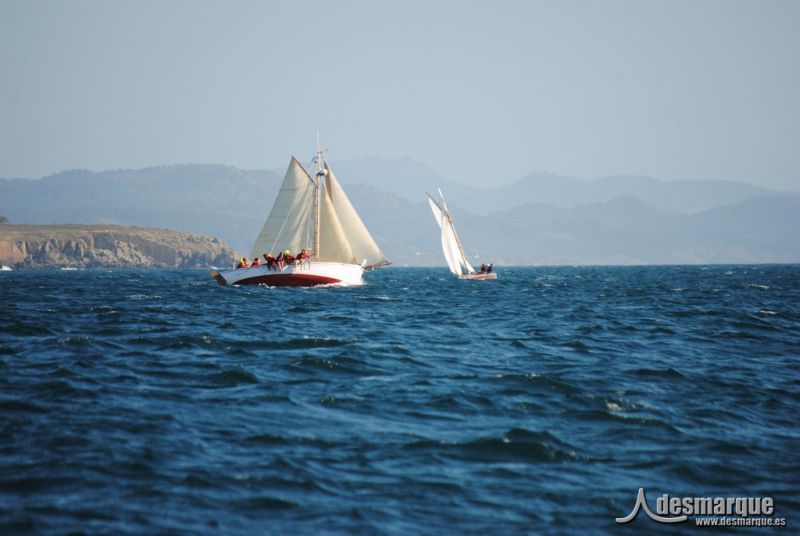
[302, 256]
[270, 260]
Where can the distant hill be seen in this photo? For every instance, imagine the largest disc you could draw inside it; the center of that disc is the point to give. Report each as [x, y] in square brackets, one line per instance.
[627, 230]
[670, 196]
[539, 219]
[410, 180]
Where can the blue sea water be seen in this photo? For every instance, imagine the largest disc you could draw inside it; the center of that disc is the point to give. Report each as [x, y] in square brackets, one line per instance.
[151, 402]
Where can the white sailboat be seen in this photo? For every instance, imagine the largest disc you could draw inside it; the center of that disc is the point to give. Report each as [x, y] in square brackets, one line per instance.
[311, 213]
[451, 245]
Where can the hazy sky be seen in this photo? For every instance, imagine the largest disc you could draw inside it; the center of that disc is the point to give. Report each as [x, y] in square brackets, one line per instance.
[480, 91]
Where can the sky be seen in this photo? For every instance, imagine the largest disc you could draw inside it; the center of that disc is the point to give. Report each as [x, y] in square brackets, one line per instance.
[482, 92]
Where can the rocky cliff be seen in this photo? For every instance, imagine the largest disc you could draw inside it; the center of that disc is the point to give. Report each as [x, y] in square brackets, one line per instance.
[108, 246]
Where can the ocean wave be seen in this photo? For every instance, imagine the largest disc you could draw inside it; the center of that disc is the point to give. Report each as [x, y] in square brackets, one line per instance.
[516, 445]
[506, 407]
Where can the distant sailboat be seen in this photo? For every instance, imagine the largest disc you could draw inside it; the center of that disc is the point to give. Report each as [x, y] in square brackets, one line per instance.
[451, 245]
[312, 214]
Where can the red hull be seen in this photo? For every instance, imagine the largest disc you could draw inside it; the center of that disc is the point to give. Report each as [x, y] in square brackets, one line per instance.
[289, 280]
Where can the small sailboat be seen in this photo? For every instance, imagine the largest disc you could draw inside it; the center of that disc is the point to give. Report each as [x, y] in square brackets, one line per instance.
[315, 215]
[451, 245]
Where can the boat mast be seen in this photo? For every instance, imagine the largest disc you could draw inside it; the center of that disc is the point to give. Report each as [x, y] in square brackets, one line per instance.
[320, 174]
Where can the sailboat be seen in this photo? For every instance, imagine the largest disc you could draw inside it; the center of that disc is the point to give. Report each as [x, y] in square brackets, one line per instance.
[451, 245]
[315, 215]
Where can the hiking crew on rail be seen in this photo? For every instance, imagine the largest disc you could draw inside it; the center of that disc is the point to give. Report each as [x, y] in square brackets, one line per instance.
[284, 258]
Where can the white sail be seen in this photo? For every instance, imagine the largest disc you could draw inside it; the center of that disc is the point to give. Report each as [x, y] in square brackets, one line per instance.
[450, 256]
[464, 265]
[437, 212]
[362, 244]
[451, 245]
[450, 248]
[334, 245]
[290, 224]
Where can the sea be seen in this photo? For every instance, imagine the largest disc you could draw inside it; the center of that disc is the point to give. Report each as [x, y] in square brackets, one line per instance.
[159, 402]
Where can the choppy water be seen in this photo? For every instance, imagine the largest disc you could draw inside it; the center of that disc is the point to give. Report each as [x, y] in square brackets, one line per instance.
[158, 401]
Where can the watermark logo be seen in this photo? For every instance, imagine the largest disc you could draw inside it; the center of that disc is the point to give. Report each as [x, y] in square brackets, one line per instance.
[708, 511]
[641, 503]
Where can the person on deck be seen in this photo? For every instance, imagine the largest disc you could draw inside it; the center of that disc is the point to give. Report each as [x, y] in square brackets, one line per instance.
[288, 257]
[489, 269]
[302, 256]
[242, 263]
[270, 261]
[280, 261]
[256, 262]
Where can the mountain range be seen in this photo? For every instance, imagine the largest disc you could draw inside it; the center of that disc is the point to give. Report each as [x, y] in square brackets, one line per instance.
[538, 219]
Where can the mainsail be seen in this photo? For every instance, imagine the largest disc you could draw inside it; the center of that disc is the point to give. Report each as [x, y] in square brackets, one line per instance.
[312, 213]
[451, 245]
[290, 223]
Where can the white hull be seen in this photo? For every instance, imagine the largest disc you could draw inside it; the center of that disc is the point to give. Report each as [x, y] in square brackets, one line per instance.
[308, 274]
[478, 276]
